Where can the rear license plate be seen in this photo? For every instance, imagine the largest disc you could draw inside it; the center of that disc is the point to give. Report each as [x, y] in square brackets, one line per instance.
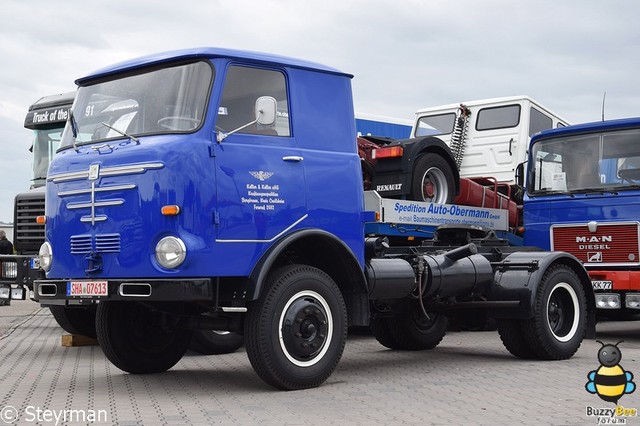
[602, 285]
[87, 288]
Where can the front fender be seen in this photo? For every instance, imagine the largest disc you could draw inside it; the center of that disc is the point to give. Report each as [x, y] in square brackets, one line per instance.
[314, 247]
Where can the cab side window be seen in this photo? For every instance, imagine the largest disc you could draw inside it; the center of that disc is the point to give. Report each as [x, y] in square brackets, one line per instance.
[243, 86]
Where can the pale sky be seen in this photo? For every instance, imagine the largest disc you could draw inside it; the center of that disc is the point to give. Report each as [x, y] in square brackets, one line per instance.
[405, 55]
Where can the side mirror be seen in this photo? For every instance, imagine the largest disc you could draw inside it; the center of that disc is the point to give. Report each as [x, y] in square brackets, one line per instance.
[520, 174]
[265, 113]
[266, 110]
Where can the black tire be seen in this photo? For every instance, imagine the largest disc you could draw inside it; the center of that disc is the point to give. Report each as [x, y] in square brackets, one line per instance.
[137, 340]
[560, 315]
[512, 337]
[75, 320]
[296, 332]
[414, 332]
[433, 180]
[381, 331]
[213, 342]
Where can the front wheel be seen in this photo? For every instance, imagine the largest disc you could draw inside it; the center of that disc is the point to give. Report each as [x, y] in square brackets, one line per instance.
[139, 339]
[296, 332]
[75, 320]
[560, 311]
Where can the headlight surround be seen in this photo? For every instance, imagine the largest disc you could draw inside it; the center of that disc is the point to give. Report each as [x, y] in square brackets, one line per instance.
[170, 252]
[45, 256]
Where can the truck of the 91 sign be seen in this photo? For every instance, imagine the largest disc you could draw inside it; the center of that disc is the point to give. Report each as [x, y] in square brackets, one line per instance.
[221, 189]
[46, 118]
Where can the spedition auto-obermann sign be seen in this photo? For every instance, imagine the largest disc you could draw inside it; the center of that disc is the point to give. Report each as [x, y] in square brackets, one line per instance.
[411, 212]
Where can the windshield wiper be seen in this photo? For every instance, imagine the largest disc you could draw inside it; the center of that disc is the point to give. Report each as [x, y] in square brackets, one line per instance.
[74, 129]
[626, 187]
[121, 132]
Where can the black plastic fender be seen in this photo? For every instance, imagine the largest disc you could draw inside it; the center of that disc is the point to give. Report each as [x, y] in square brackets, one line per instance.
[401, 170]
[518, 276]
[344, 263]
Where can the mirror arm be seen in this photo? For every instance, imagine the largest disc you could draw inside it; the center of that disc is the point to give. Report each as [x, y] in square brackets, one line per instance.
[222, 136]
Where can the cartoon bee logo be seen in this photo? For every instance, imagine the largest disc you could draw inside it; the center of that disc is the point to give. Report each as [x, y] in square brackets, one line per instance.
[610, 381]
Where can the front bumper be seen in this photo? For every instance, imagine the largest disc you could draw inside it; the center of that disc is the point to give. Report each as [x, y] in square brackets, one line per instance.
[19, 270]
[56, 292]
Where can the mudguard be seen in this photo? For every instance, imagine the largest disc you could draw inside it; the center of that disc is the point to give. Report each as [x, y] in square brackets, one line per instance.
[345, 264]
[518, 277]
[399, 171]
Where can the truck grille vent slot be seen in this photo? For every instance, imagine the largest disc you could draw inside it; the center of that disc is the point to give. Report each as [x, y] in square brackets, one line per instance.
[609, 244]
[108, 243]
[103, 243]
[27, 231]
[80, 244]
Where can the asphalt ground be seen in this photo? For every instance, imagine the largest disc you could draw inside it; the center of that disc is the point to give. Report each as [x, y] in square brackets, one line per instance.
[468, 379]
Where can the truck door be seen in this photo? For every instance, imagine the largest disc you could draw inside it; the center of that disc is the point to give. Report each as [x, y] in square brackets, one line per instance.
[260, 177]
[496, 135]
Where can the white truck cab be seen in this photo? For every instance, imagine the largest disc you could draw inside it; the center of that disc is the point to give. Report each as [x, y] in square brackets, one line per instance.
[488, 137]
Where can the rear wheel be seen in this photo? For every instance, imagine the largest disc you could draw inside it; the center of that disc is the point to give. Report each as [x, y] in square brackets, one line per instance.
[381, 331]
[76, 320]
[414, 332]
[510, 332]
[296, 332]
[139, 339]
[559, 322]
[433, 180]
[214, 342]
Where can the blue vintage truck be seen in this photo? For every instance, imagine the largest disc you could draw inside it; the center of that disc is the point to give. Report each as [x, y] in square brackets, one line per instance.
[583, 197]
[221, 189]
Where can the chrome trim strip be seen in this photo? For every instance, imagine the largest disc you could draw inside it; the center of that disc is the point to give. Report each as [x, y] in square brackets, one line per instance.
[233, 309]
[107, 171]
[101, 189]
[94, 219]
[294, 224]
[73, 206]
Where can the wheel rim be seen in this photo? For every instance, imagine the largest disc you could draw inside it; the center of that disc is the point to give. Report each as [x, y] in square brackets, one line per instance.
[434, 186]
[423, 324]
[305, 328]
[563, 314]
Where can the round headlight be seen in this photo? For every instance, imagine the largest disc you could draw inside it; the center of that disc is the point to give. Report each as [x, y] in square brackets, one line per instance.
[45, 256]
[170, 252]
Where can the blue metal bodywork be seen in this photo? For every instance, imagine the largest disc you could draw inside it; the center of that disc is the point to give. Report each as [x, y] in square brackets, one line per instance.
[543, 211]
[224, 234]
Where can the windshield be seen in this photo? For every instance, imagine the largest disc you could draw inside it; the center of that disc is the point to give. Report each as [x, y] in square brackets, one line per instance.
[45, 144]
[584, 163]
[166, 100]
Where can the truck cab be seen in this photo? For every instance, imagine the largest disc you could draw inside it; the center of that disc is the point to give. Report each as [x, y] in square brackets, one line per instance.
[46, 118]
[489, 137]
[583, 197]
[222, 190]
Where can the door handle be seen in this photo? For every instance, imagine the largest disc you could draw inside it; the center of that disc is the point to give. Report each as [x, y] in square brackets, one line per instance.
[293, 158]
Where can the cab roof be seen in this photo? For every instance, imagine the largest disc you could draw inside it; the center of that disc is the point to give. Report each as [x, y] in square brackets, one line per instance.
[596, 126]
[204, 53]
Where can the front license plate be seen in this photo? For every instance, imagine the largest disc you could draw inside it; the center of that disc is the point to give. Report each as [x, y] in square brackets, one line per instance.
[602, 285]
[87, 288]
